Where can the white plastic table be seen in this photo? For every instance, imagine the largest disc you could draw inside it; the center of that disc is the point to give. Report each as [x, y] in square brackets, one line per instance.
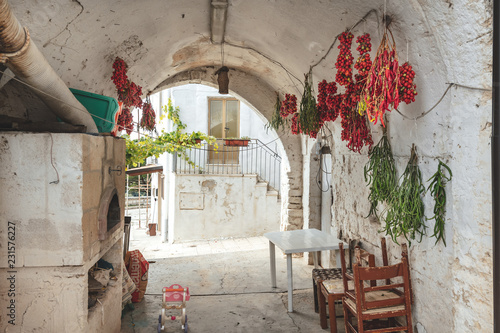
[297, 241]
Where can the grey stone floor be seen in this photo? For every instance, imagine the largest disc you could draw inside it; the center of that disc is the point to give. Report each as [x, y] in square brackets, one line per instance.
[230, 287]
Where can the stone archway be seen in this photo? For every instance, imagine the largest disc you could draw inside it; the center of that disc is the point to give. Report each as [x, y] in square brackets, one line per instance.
[262, 98]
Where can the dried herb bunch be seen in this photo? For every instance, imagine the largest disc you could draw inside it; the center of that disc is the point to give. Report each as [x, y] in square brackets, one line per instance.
[380, 173]
[438, 193]
[309, 118]
[406, 212]
[277, 121]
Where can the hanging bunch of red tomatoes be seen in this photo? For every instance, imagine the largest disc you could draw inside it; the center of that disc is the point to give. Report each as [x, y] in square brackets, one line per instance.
[288, 106]
[407, 89]
[130, 94]
[378, 86]
[355, 129]
[125, 121]
[344, 59]
[328, 102]
[148, 121]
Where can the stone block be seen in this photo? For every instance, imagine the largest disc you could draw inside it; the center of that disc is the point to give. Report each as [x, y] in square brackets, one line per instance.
[295, 193]
[109, 148]
[119, 149]
[92, 152]
[295, 200]
[294, 206]
[295, 213]
[91, 190]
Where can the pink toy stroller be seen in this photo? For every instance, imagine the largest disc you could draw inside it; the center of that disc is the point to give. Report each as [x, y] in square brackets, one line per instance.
[174, 298]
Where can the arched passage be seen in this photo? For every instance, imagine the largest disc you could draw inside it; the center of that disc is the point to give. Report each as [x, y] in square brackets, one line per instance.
[446, 41]
[262, 97]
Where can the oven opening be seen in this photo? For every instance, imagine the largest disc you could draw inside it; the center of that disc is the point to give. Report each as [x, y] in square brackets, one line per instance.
[113, 217]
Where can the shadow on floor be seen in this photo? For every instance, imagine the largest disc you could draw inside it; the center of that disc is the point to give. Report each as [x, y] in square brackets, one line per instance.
[230, 291]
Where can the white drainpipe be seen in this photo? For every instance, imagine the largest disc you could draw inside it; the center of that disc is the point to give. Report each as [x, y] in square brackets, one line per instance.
[23, 58]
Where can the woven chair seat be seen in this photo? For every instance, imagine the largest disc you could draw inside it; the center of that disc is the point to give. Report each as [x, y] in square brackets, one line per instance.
[323, 274]
[337, 286]
[376, 296]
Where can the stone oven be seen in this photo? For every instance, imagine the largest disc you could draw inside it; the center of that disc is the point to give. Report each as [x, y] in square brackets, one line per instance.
[61, 210]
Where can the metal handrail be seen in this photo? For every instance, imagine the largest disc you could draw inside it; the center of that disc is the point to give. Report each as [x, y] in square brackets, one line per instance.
[256, 158]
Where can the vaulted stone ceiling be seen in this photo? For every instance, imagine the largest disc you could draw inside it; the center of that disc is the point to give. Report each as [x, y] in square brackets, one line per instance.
[159, 39]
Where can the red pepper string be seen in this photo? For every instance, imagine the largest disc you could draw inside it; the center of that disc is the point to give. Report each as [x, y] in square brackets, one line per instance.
[381, 91]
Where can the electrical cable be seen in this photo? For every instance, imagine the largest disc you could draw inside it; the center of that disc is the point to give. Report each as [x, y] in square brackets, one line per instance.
[336, 37]
[106, 120]
[451, 84]
[289, 73]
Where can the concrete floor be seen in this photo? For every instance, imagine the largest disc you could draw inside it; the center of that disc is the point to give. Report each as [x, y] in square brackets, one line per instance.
[230, 286]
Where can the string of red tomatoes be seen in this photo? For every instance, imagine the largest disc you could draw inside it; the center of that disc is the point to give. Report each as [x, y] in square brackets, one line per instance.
[379, 86]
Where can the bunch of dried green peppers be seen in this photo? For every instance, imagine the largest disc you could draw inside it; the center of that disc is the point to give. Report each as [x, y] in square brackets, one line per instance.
[277, 121]
[405, 215]
[309, 119]
[438, 193]
[380, 173]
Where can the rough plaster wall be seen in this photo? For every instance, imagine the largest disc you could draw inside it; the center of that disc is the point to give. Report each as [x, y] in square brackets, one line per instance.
[213, 207]
[454, 281]
[56, 240]
[448, 41]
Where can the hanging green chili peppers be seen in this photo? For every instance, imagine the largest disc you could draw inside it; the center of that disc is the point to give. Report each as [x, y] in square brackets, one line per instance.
[380, 173]
[438, 193]
[277, 121]
[405, 215]
[309, 120]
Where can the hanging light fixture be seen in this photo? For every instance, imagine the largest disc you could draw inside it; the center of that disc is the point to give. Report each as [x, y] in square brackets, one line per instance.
[222, 76]
[223, 80]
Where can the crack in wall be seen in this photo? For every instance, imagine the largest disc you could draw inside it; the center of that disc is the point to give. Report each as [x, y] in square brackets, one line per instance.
[67, 26]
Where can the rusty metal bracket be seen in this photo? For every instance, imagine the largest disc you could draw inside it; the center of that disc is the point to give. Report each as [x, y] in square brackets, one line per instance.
[118, 169]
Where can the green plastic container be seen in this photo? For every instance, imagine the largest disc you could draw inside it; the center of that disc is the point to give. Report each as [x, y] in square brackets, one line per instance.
[100, 107]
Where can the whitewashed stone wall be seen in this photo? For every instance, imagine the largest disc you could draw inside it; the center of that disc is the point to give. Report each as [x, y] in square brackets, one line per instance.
[52, 186]
[452, 284]
[221, 206]
[446, 41]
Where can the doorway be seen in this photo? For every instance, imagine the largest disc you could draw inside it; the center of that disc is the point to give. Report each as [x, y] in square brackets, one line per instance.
[223, 122]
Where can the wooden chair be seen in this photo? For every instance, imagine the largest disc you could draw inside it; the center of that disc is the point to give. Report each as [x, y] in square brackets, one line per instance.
[369, 304]
[323, 274]
[333, 289]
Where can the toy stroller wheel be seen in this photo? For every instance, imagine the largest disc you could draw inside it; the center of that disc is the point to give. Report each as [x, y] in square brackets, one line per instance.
[159, 324]
[185, 325]
[184, 316]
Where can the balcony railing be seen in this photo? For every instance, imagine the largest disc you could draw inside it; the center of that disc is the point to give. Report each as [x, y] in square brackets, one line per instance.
[256, 158]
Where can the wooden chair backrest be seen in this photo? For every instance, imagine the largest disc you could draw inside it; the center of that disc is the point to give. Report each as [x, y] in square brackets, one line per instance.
[364, 259]
[362, 274]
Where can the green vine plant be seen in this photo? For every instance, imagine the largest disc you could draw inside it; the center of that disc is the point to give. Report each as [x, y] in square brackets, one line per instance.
[380, 173]
[173, 142]
[277, 121]
[405, 215]
[438, 193]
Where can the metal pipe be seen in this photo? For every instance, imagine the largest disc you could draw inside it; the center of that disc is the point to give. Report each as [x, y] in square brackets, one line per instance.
[495, 164]
[23, 58]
